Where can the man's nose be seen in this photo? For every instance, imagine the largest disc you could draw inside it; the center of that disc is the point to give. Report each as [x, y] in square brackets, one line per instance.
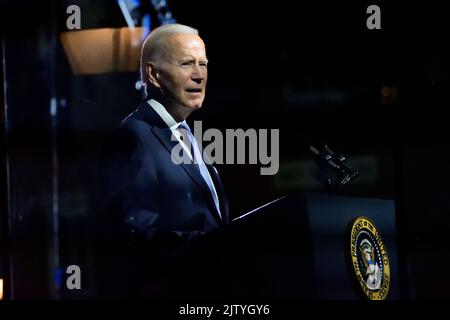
[198, 75]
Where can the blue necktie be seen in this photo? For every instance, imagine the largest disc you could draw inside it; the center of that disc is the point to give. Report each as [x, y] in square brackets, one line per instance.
[195, 151]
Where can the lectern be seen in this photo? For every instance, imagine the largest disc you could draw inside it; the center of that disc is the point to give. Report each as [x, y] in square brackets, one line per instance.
[308, 246]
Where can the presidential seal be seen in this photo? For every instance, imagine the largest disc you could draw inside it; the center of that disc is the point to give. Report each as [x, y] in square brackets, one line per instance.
[369, 259]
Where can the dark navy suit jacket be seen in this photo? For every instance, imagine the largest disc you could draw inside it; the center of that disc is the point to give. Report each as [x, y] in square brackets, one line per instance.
[153, 203]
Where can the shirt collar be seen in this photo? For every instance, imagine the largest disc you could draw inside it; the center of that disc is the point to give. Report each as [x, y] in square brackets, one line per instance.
[164, 114]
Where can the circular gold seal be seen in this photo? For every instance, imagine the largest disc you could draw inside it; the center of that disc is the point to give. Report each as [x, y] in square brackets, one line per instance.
[369, 258]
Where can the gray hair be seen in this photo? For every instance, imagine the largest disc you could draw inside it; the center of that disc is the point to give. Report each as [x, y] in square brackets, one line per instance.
[153, 45]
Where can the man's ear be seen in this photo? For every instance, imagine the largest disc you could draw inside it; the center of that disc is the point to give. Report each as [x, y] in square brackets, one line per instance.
[152, 74]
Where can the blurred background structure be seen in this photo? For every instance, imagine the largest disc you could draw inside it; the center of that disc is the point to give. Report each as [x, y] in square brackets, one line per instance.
[313, 70]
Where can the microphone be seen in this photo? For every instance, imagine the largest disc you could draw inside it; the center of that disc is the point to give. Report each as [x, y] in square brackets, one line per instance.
[337, 162]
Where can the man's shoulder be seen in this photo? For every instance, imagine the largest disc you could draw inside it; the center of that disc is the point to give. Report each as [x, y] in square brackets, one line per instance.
[134, 130]
[133, 123]
[143, 118]
[136, 123]
[126, 138]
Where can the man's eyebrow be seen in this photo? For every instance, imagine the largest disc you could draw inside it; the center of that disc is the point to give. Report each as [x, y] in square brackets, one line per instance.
[190, 59]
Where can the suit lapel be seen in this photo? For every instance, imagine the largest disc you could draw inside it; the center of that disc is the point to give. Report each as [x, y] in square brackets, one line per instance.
[164, 134]
[220, 191]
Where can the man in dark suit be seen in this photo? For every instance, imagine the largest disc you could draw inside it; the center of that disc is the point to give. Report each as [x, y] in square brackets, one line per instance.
[155, 204]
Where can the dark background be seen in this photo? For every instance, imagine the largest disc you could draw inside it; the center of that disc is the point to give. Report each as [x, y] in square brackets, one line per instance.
[312, 70]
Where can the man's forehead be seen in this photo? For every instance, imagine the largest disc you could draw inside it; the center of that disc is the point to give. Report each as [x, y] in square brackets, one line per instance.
[185, 42]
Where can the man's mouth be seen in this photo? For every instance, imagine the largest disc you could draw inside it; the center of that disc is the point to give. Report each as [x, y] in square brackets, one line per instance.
[194, 90]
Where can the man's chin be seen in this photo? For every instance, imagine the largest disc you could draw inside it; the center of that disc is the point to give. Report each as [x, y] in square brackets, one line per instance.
[195, 105]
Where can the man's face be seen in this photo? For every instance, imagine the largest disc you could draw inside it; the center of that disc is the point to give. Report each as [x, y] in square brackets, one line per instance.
[183, 73]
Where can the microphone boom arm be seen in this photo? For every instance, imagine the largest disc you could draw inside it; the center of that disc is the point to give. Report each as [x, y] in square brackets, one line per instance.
[337, 163]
